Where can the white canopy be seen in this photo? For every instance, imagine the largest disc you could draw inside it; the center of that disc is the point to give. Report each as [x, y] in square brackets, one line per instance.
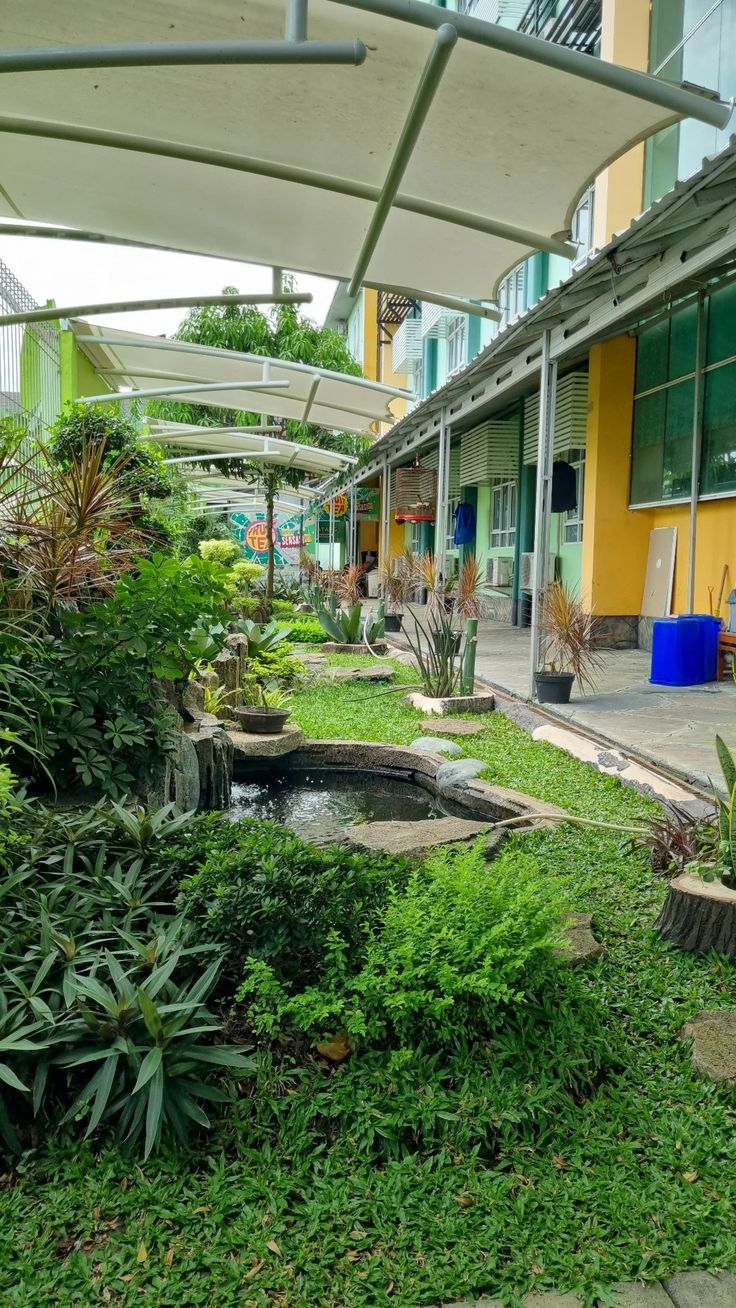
[478, 148]
[241, 443]
[307, 394]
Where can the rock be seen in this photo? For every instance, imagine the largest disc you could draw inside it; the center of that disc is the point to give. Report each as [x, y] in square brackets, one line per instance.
[413, 839]
[192, 699]
[430, 745]
[332, 647]
[458, 772]
[250, 745]
[214, 754]
[209, 678]
[228, 669]
[453, 726]
[713, 1033]
[304, 608]
[186, 782]
[701, 1290]
[452, 704]
[580, 945]
[363, 674]
[633, 1294]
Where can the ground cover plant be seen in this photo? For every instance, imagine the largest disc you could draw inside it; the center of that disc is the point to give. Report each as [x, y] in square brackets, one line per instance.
[570, 1144]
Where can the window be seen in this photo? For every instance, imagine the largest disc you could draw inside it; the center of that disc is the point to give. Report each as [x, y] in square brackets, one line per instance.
[503, 513]
[416, 536]
[456, 344]
[582, 226]
[573, 519]
[661, 462]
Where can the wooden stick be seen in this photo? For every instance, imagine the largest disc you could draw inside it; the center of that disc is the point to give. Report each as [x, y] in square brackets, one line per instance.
[724, 574]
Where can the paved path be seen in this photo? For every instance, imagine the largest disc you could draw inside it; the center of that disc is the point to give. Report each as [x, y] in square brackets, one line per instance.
[686, 1290]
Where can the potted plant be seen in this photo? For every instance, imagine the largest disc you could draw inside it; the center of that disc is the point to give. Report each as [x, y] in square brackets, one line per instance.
[568, 641]
[267, 709]
[440, 602]
[398, 583]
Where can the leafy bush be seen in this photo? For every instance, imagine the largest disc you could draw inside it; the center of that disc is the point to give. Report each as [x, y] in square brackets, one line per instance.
[98, 975]
[90, 425]
[304, 630]
[244, 573]
[263, 893]
[250, 606]
[459, 942]
[281, 608]
[272, 665]
[224, 552]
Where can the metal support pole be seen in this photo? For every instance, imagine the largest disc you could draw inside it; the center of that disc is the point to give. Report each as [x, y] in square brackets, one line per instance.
[467, 680]
[133, 306]
[383, 539]
[331, 547]
[296, 20]
[444, 42]
[277, 281]
[697, 447]
[516, 598]
[183, 388]
[457, 305]
[443, 493]
[545, 455]
[179, 54]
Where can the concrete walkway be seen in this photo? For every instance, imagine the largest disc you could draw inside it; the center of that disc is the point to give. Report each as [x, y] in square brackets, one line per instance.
[686, 1290]
[673, 728]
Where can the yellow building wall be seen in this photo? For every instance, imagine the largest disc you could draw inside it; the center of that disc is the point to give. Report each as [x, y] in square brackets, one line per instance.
[715, 545]
[619, 189]
[615, 538]
[370, 335]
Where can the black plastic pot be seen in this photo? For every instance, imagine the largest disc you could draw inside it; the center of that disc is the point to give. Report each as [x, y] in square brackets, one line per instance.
[262, 721]
[392, 622]
[554, 687]
[439, 641]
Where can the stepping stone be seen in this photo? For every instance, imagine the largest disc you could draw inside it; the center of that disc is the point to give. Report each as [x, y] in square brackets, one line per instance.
[551, 1299]
[333, 647]
[634, 1294]
[713, 1034]
[452, 726]
[413, 839]
[458, 772]
[363, 674]
[580, 945]
[479, 703]
[428, 745]
[701, 1290]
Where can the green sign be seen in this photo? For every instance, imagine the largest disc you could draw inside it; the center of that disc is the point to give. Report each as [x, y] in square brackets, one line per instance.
[368, 503]
[289, 537]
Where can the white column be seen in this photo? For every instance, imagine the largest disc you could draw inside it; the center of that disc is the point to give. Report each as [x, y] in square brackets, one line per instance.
[385, 512]
[542, 523]
[443, 496]
[331, 547]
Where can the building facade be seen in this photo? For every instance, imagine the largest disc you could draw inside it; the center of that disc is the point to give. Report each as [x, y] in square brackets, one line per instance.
[645, 416]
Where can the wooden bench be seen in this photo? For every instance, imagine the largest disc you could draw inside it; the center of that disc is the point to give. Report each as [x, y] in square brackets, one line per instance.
[726, 644]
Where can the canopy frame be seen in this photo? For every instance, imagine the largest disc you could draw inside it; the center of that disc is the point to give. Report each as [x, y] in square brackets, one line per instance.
[134, 306]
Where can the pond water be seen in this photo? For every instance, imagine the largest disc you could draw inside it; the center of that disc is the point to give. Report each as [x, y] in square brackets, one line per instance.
[319, 803]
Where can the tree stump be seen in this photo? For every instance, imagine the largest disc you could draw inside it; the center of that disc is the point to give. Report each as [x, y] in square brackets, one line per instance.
[699, 915]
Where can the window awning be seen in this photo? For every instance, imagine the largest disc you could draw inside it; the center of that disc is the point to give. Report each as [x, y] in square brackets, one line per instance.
[238, 442]
[473, 142]
[145, 364]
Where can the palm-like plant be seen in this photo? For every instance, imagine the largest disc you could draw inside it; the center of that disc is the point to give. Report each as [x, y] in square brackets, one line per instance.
[398, 578]
[468, 601]
[347, 585]
[568, 635]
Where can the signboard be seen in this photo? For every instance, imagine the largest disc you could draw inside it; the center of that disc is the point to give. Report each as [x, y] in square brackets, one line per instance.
[290, 536]
[342, 508]
[368, 503]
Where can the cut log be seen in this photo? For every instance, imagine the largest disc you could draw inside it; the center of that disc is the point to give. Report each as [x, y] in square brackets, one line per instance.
[699, 915]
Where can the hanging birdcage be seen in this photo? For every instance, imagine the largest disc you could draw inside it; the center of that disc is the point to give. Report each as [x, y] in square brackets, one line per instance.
[416, 493]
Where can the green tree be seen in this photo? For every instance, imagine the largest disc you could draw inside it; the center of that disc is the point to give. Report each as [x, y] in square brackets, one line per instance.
[283, 334]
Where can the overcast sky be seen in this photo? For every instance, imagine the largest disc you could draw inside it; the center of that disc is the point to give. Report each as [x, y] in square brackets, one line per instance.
[77, 272]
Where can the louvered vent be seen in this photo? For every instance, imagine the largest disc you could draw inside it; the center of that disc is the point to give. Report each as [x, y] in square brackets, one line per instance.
[489, 450]
[571, 417]
[433, 461]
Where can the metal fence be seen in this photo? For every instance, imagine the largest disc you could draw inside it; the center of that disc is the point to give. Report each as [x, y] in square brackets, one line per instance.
[30, 368]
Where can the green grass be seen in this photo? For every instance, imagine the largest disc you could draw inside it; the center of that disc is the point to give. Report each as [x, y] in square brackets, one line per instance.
[403, 1180]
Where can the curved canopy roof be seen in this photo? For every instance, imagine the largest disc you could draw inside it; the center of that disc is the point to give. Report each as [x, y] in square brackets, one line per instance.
[239, 442]
[302, 392]
[471, 141]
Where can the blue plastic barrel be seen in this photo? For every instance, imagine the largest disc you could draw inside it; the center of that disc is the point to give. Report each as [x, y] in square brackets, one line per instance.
[684, 650]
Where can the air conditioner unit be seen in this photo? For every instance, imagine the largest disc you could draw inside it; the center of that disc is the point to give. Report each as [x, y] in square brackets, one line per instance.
[499, 572]
[527, 570]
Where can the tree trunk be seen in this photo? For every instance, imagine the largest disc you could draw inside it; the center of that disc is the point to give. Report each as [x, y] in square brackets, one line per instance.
[699, 915]
[271, 549]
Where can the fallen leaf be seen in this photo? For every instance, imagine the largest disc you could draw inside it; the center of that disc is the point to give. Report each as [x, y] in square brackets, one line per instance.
[357, 1234]
[337, 1049]
[272, 1245]
[559, 1161]
[255, 1269]
[352, 1255]
[690, 1176]
[203, 1208]
[142, 1254]
[169, 1256]
[465, 1200]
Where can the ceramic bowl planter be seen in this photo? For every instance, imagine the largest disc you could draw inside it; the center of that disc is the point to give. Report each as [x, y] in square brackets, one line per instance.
[262, 721]
[554, 687]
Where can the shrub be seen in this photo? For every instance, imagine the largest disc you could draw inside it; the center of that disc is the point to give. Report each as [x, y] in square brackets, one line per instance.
[283, 607]
[459, 942]
[274, 665]
[265, 894]
[250, 606]
[304, 630]
[90, 425]
[224, 552]
[244, 573]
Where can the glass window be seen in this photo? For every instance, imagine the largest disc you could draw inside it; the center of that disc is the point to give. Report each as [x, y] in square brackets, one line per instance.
[450, 546]
[416, 536]
[503, 513]
[652, 356]
[456, 344]
[573, 519]
[678, 441]
[721, 325]
[648, 448]
[718, 465]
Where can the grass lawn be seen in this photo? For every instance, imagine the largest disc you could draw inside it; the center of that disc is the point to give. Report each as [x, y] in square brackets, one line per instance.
[404, 1179]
